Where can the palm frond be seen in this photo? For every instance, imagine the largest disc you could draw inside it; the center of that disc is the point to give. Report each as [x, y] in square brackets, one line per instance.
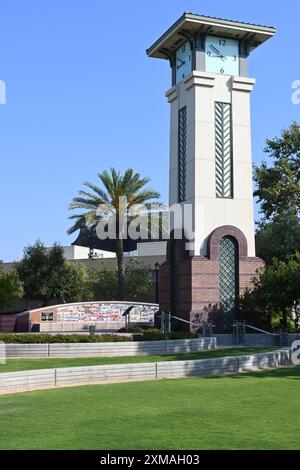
[144, 197]
[107, 182]
[103, 204]
[97, 190]
[81, 203]
[79, 224]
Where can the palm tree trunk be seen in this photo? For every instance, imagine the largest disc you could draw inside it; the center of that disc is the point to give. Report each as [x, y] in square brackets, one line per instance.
[121, 273]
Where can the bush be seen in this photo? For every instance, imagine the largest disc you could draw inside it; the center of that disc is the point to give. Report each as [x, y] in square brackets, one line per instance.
[153, 334]
[136, 329]
[45, 339]
[183, 335]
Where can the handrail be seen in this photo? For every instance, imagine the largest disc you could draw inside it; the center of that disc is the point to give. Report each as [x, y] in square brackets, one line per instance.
[261, 331]
[245, 324]
[186, 321]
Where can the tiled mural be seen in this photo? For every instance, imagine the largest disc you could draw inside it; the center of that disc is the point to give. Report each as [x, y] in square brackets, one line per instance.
[103, 311]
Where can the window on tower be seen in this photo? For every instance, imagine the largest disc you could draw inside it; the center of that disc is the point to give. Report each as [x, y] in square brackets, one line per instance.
[181, 154]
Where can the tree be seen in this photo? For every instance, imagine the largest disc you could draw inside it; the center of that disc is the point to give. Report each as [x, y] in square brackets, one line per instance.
[11, 288]
[278, 186]
[33, 270]
[68, 283]
[276, 289]
[278, 191]
[121, 193]
[47, 276]
[278, 238]
[104, 283]
[138, 282]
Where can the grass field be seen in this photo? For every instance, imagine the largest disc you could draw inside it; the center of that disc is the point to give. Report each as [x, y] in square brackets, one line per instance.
[249, 411]
[29, 364]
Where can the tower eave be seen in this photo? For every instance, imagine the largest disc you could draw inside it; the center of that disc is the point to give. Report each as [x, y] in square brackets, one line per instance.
[191, 23]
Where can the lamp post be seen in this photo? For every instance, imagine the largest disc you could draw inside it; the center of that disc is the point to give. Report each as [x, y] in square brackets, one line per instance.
[157, 266]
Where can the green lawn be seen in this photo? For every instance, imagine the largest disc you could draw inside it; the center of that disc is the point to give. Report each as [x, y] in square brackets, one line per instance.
[28, 364]
[250, 411]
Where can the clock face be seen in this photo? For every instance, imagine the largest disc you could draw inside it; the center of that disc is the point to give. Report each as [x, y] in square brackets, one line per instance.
[183, 62]
[222, 55]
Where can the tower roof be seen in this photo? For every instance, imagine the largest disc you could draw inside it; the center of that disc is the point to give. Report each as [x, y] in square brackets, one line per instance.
[191, 23]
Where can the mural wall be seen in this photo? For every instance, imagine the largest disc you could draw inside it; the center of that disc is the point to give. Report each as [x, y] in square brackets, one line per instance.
[97, 311]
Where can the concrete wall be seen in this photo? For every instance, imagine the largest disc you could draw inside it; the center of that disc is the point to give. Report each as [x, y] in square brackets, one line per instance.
[27, 380]
[27, 350]
[50, 378]
[149, 248]
[73, 252]
[257, 340]
[224, 365]
[126, 348]
[250, 340]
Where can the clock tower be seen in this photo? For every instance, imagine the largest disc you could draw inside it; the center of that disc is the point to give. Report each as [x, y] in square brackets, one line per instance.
[210, 165]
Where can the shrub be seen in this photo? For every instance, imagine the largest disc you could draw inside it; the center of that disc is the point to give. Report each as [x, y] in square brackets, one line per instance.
[44, 338]
[154, 334]
[136, 329]
[183, 335]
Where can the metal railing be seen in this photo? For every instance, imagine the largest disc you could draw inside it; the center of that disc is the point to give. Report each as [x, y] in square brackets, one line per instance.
[239, 331]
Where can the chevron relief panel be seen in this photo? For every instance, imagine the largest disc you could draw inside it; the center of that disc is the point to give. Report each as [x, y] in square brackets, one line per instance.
[223, 133]
[181, 154]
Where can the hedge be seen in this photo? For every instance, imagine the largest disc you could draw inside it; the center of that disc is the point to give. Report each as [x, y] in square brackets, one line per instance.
[156, 335]
[44, 338]
[149, 335]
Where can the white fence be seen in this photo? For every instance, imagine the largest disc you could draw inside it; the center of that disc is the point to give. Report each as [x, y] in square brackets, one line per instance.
[71, 376]
[126, 348]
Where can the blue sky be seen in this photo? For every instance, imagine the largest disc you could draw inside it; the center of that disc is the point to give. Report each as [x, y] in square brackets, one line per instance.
[82, 96]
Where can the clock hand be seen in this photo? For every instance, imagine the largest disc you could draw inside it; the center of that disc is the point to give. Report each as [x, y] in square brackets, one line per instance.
[182, 61]
[179, 66]
[217, 52]
[214, 55]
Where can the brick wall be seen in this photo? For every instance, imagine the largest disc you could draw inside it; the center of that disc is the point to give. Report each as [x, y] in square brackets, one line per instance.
[198, 281]
[7, 323]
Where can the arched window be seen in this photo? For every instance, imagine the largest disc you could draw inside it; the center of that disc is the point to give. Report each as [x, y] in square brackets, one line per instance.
[229, 274]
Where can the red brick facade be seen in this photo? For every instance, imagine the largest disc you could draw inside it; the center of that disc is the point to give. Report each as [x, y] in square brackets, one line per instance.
[7, 323]
[198, 278]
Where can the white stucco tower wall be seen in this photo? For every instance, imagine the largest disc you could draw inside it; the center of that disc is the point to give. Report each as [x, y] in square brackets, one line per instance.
[198, 93]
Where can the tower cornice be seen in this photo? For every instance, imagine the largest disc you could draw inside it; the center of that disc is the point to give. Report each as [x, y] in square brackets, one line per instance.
[190, 25]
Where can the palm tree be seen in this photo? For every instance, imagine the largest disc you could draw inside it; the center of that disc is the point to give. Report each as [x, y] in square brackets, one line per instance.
[103, 205]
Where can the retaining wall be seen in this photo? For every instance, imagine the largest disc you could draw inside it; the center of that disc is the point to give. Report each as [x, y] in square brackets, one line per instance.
[126, 348]
[27, 380]
[258, 339]
[254, 339]
[71, 376]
